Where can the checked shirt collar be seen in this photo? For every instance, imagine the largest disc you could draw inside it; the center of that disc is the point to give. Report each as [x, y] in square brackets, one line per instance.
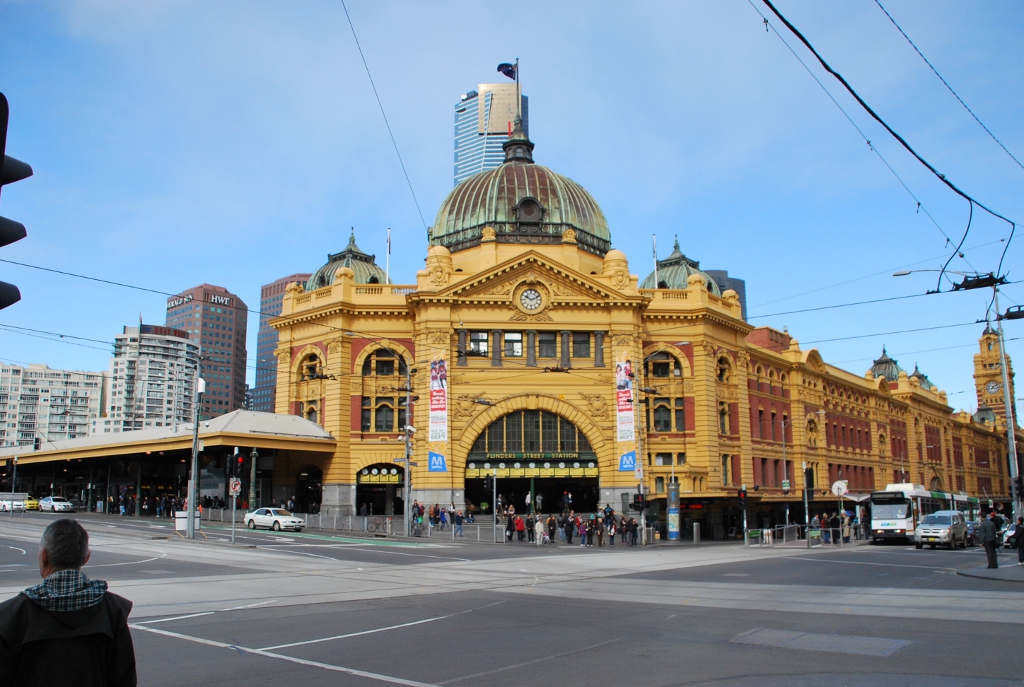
[67, 590]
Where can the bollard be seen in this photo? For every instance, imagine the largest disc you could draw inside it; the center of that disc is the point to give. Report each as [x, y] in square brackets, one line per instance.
[696, 533]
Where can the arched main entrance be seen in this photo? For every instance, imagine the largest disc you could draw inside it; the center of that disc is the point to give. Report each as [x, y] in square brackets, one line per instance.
[379, 487]
[533, 452]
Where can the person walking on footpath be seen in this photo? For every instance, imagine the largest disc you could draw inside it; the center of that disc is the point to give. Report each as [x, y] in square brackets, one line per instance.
[988, 535]
[552, 526]
[457, 519]
[69, 629]
[538, 531]
[568, 526]
[530, 528]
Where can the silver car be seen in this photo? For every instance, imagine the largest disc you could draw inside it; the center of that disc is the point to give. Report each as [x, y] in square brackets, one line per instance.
[942, 528]
[274, 518]
[56, 504]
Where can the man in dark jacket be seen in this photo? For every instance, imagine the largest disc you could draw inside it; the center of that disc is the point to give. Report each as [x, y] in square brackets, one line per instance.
[69, 630]
[1018, 538]
[988, 533]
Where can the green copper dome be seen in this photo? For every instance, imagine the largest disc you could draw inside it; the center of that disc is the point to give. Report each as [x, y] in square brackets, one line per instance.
[922, 378]
[675, 270]
[886, 367]
[523, 202]
[362, 264]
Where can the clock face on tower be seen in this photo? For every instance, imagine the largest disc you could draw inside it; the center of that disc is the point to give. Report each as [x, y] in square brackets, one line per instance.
[530, 299]
[992, 387]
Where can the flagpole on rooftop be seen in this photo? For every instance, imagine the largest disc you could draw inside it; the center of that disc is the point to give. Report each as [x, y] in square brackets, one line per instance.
[654, 247]
[387, 261]
[519, 93]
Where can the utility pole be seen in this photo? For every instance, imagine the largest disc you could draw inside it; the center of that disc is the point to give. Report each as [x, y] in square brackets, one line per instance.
[193, 483]
[252, 479]
[1008, 404]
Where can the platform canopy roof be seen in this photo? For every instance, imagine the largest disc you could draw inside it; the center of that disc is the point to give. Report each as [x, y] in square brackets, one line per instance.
[244, 428]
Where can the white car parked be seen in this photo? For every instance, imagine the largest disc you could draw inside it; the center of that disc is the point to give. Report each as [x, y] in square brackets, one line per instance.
[56, 504]
[8, 505]
[273, 518]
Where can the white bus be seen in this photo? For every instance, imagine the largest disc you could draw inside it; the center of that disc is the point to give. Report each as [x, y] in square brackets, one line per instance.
[896, 511]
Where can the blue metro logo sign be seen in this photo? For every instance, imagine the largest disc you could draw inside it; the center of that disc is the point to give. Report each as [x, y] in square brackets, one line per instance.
[627, 462]
[437, 463]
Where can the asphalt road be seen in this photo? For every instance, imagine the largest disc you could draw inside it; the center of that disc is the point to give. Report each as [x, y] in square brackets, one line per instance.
[283, 608]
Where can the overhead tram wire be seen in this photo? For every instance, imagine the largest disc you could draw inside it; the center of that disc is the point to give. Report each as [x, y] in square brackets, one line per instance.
[892, 132]
[384, 115]
[948, 87]
[920, 205]
[900, 331]
[926, 350]
[873, 274]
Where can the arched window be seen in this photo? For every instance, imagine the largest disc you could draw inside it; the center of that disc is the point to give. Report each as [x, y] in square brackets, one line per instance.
[382, 363]
[663, 365]
[311, 367]
[531, 431]
[812, 433]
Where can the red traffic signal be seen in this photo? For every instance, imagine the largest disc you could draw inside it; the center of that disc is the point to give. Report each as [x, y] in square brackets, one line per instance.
[743, 497]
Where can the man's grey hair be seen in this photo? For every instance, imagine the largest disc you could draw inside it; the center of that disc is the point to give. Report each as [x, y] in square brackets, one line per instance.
[66, 544]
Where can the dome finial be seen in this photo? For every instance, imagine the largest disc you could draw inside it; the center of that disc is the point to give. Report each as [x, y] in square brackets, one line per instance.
[352, 237]
[675, 246]
[518, 147]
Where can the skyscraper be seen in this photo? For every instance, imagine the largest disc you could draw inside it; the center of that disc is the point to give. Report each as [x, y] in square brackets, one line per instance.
[483, 122]
[39, 404]
[152, 380]
[216, 320]
[264, 393]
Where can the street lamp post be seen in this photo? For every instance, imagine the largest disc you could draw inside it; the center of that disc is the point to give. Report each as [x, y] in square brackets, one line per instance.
[193, 486]
[252, 478]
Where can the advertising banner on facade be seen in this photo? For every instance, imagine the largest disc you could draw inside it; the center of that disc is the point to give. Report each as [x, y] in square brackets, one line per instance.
[439, 398]
[624, 400]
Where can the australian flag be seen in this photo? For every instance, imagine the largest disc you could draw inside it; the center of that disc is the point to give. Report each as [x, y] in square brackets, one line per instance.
[508, 70]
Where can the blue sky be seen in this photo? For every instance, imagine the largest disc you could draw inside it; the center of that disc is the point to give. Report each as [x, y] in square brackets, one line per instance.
[181, 142]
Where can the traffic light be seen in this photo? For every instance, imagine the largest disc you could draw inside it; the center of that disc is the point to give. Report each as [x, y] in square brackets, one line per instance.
[239, 461]
[11, 170]
[1018, 486]
[743, 498]
[638, 502]
[488, 483]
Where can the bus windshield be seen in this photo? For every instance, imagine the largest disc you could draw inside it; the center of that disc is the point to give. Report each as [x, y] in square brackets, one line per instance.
[889, 510]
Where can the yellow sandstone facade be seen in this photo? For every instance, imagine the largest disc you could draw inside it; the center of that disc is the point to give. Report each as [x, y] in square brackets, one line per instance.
[527, 323]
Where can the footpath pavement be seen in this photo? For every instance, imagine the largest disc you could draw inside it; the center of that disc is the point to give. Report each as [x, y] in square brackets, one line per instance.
[1008, 570]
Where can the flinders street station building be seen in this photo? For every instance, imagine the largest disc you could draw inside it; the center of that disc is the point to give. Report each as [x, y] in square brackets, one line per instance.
[526, 349]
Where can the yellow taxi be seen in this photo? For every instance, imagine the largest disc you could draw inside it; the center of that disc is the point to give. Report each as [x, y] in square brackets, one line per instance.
[31, 503]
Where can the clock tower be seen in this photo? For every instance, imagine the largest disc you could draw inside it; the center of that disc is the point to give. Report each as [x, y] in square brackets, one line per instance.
[988, 375]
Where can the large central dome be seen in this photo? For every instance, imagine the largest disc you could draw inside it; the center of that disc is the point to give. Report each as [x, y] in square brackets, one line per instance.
[523, 203]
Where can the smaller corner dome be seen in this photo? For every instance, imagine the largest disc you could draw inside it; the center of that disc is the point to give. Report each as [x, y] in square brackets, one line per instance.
[886, 367]
[922, 378]
[985, 415]
[675, 271]
[362, 264]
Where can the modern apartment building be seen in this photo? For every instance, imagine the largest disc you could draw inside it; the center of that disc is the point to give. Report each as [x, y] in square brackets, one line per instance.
[215, 320]
[39, 404]
[483, 122]
[152, 380]
[265, 391]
